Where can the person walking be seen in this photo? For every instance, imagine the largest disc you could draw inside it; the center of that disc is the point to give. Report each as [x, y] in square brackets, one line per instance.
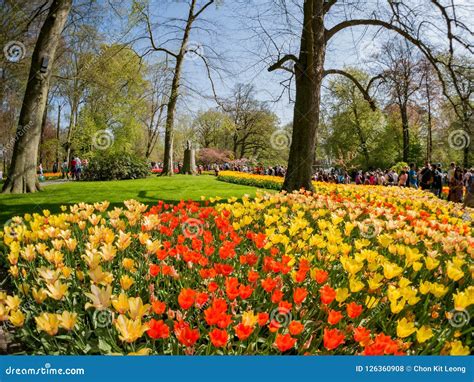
[437, 185]
[64, 170]
[469, 198]
[426, 177]
[402, 179]
[78, 168]
[456, 187]
[412, 176]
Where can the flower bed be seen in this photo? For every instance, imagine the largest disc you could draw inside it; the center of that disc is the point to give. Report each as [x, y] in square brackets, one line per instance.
[338, 272]
[263, 181]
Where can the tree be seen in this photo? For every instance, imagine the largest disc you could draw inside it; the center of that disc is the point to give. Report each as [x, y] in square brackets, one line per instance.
[430, 97]
[194, 13]
[22, 173]
[354, 127]
[157, 99]
[212, 128]
[252, 122]
[113, 111]
[308, 66]
[402, 80]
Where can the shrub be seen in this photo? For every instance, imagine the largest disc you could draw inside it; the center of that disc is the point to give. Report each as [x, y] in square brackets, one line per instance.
[210, 156]
[115, 166]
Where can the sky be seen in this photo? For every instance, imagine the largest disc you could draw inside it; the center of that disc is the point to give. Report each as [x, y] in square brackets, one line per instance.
[230, 36]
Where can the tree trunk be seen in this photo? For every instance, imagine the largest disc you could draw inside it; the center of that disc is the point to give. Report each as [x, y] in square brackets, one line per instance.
[70, 132]
[168, 165]
[58, 128]
[468, 148]
[189, 162]
[22, 174]
[309, 75]
[429, 142]
[360, 133]
[44, 120]
[406, 132]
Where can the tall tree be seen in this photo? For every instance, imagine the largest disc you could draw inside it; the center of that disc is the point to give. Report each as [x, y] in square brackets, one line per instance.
[408, 21]
[402, 79]
[195, 11]
[22, 173]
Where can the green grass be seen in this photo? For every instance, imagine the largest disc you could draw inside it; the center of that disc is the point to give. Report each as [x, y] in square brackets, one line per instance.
[148, 191]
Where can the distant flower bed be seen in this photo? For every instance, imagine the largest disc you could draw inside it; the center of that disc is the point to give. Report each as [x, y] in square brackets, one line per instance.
[262, 181]
[338, 272]
[51, 175]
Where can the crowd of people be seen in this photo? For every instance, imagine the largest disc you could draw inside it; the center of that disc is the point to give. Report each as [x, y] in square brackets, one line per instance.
[430, 177]
[69, 170]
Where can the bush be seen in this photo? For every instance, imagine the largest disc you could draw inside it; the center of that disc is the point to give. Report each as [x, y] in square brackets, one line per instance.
[210, 156]
[399, 167]
[115, 167]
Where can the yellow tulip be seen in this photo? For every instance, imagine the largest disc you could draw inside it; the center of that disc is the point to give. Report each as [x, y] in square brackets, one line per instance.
[397, 306]
[249, 319]
[405, 328]
[123, 241]
[142, 351]
[391, 270]
[431, 263]
[128, 264]
[423, 334]
[457, 348]
[342, 294]
[13, 302]
[67, 320]
[355, 285]
[3, 312]
[120, 304]
[108, 252]
[130, 330]
[17, 318]
[126, 282]
[39, 295]
[136, 307]
[66, 271]
[57, 291]
[98, 276]
[454, 272]
[48, 322]
[438, 290]
[464, 299]
[14, 271]
[100, 297]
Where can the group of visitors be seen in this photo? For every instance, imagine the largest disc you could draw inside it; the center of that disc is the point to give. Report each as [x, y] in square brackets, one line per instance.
[73, 169]
[430, 177]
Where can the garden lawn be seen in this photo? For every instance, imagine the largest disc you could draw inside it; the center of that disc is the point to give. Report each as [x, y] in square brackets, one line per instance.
[148, 191]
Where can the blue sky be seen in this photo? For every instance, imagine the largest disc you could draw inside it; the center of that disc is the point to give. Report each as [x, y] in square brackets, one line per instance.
[235, 36]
